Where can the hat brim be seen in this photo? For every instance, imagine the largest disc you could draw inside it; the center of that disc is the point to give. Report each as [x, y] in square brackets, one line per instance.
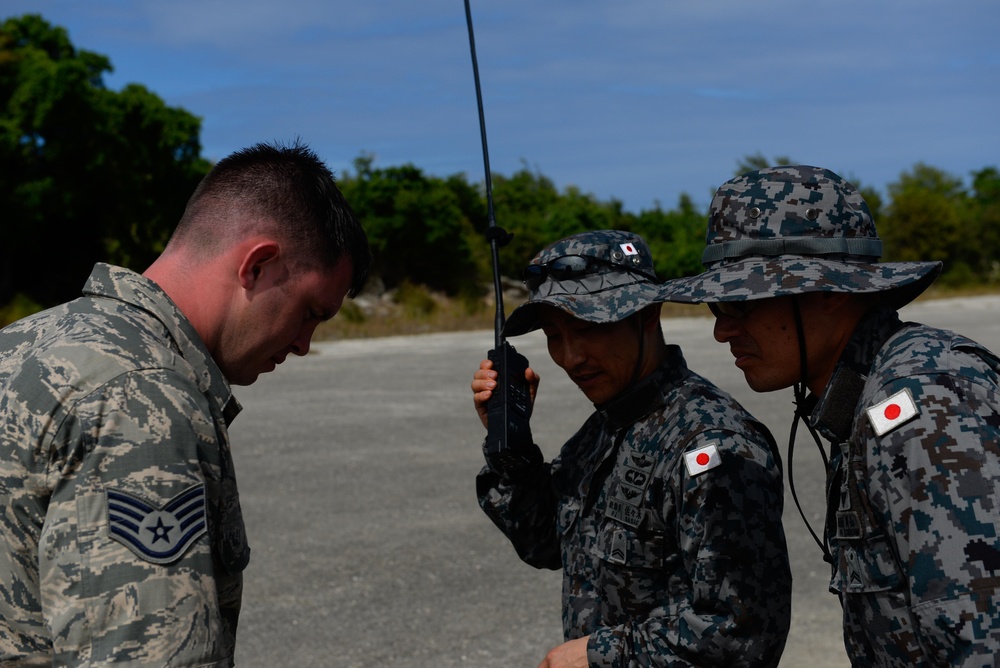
[757, 278]
[611, 305]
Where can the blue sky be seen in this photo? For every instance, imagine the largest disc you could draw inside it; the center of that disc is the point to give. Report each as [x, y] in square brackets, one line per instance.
[639, 100]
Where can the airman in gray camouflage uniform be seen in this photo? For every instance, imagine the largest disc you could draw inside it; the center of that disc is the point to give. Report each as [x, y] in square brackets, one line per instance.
[912, 412]
[121, 536]
[664, 510]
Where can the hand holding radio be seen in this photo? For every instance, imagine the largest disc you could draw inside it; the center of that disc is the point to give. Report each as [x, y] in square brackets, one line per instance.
[504, 392]
[485, 381]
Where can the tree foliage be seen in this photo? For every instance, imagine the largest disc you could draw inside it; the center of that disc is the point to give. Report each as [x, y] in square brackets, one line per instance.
[88, 174]
[416, 224]
[926, 221]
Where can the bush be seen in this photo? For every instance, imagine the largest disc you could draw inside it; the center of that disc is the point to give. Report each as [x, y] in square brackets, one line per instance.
[19, 307]
[416, 301]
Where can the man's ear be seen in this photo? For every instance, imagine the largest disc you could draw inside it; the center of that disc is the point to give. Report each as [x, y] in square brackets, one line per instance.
[260, 258]
[650, 315]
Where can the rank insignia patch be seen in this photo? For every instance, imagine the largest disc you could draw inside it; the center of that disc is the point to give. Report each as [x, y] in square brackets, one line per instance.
[157, 535]
[892, 412]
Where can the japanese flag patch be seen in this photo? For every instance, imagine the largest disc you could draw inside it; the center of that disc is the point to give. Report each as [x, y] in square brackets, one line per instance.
[893, 412]
[628, 249]
[703, 459]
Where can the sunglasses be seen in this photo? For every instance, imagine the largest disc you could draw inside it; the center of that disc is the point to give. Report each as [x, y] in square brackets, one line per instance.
[573, 267]
[735, 310]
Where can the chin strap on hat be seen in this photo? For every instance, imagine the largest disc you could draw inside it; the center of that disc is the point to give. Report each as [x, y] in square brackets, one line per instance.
[803, 406]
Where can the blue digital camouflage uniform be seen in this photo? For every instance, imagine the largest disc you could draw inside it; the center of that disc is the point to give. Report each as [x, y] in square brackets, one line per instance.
[122, 537]
[914, 505]
[914, 527]
[661, 566]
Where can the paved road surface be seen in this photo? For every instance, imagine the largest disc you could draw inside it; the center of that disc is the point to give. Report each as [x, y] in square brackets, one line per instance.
[356, 468]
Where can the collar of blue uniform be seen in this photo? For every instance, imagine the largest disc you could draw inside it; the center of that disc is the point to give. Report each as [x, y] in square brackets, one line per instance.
[645, 396]
[833, 415]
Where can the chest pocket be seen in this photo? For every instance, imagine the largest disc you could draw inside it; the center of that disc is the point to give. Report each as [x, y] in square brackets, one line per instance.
[622, 547]
[631, 571]
[863, 553]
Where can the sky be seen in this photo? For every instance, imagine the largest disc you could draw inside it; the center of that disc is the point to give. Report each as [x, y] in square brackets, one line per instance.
[636, 100]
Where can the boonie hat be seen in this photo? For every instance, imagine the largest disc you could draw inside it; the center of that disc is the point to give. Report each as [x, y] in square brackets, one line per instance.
[601, 276]
[791, 230]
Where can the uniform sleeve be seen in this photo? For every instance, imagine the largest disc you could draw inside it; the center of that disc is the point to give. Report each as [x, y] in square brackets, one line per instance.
[126, 564]
[731, 604]
[525, 509]
[938, 474]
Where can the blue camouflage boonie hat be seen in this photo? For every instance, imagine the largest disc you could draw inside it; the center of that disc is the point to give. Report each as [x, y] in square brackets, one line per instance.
[791, 230]
[601, 276]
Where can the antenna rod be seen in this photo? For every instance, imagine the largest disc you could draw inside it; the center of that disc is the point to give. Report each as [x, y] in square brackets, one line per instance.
[497, 236]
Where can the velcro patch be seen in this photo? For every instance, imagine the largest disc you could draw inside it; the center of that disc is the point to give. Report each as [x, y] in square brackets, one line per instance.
[703, 459]
[893, 412]
[157, 535]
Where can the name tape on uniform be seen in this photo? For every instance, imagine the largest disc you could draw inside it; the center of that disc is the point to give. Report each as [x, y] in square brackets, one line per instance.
[893, 412]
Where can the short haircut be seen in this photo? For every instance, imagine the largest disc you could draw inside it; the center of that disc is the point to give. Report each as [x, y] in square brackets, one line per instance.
[284, 191]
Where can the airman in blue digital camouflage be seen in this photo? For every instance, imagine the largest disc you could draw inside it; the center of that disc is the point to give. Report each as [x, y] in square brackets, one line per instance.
[664, 510]
[912, 413]
[121, 536]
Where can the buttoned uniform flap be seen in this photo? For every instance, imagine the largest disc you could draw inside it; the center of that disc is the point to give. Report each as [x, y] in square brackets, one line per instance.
[567, 514]
[865, 566]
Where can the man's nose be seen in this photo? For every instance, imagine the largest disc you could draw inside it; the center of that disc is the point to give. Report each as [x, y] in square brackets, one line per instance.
[300, 346]
[725, 328]
[573, 351]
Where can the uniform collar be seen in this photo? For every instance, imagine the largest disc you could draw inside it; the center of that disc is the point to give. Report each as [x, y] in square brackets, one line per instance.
[833, 415]
[645, 396]
[123, 285]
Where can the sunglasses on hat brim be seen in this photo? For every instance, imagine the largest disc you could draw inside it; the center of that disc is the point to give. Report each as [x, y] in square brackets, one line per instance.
[573, 267]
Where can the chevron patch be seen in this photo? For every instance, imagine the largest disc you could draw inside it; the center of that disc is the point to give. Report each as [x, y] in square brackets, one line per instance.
[158, 535]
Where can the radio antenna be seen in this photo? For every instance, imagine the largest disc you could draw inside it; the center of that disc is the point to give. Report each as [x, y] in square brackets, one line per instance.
[497, 236]
[508, 446]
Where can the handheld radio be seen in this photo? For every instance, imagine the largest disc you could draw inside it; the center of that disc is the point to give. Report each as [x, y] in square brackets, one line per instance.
[509, 445]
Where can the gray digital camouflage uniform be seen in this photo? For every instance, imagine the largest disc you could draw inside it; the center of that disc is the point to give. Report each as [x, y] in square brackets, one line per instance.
[664, 510]
[662, 566]
[913, 414]
[122, 538]
[914, 527]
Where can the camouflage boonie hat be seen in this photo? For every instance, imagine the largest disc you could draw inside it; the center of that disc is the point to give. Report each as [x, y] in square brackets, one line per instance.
[601, 276]
[791, 230]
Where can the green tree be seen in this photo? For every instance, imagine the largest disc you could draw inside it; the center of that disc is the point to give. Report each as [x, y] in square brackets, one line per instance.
[86, 174]
[575, 212]
[983, 223]
[923, 221]
[751, 163]
[523, 202]
[676, 238]
[416, 226]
